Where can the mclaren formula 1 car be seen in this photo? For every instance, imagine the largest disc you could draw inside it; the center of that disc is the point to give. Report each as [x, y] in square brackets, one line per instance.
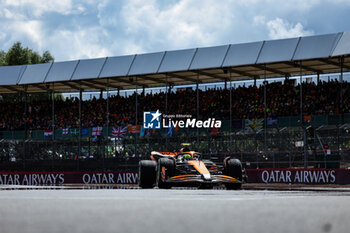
[167, 169]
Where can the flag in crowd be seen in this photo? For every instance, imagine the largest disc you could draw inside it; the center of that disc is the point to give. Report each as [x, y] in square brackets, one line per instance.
[74, 131]
[134, 129]
[96, 131]
[48, 133]
[170, 131]
[119, 132]
[214, 131]
[254, 124]
[65, 131]
[146, 132]
[272, 121]
[142, 133]
[84, 131]
[307, 118]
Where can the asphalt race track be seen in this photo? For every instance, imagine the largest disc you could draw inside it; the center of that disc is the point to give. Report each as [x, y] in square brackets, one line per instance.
[173, 211]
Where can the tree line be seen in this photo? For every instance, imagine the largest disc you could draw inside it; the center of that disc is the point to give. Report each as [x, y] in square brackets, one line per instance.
[18, 55]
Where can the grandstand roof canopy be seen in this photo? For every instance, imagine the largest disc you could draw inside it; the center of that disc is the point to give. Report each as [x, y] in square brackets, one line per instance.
[318, 55]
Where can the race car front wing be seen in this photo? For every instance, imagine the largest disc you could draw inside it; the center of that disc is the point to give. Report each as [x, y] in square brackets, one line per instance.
[203, 178]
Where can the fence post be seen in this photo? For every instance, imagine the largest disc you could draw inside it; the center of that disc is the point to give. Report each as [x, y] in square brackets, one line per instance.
[53, 125]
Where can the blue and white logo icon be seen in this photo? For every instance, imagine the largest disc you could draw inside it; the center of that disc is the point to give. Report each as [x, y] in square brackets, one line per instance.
[151, 120]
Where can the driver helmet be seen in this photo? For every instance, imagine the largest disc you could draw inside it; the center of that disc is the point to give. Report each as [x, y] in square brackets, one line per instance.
[185, 149]
[187, 156]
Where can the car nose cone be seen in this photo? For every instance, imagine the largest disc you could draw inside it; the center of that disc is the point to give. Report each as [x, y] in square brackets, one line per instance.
[206, 176]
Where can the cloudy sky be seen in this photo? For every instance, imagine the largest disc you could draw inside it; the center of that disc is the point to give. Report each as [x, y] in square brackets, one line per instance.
[75, 29]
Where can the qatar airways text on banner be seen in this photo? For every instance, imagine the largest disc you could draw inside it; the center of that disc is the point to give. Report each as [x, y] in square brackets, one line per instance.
[60, 178]
[299, 176]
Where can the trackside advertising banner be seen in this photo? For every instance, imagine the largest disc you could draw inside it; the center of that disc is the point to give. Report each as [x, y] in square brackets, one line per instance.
[299, 176]
[59, 178]
[267, 176]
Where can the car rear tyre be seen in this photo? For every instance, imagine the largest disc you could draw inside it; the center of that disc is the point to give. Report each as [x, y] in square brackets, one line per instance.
[233, 168]
[165, 170]
[147, 174]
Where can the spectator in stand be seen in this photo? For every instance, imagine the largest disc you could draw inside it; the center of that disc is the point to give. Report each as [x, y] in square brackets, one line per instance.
[247, 102]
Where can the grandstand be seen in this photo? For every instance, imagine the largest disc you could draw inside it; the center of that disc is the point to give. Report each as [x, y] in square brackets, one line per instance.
[293, 123]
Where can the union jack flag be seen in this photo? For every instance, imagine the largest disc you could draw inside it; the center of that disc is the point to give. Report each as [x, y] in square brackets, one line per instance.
[119, 132]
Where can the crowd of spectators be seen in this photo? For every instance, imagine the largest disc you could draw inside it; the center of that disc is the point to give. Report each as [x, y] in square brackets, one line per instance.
[247, 103]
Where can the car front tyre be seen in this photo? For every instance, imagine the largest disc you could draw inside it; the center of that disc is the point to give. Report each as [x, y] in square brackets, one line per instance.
[147, 174]
[233, 168]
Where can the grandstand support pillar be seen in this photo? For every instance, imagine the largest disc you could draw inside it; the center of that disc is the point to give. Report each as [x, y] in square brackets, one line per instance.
[25, 126]
[136, 109]
[197, 86]
[256, 149]
[341, 89]
[25, 111]
[53, 124]
[53, 110]
[166, 106]
[235, 148]
[301, 115]
[107, 124]
[136, 102]
[79, 143]
[230, 111]
[265, 115]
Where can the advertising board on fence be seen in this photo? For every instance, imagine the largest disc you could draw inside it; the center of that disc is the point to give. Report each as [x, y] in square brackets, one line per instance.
[299, 176]
[59, 178]
[267, 176]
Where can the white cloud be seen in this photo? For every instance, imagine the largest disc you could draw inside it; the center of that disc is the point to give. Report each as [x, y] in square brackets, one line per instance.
[279, 28]
[259, 20]
[77, 29]
[178, 25]
[38, 7]
[105, 18]
[78, 44]
[130, 47]
[30, 29]
[2, 37]
[10, 15]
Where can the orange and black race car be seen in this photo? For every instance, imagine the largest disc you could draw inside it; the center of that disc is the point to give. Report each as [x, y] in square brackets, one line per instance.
[167, 169]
